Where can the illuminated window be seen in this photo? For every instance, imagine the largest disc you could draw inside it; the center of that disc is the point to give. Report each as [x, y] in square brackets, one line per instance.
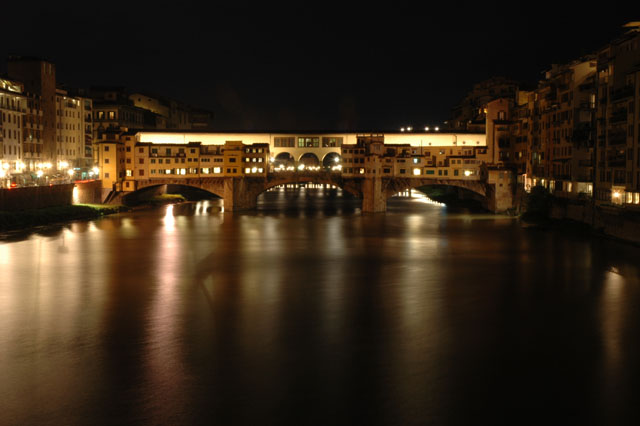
[247, 170]
[217, 170]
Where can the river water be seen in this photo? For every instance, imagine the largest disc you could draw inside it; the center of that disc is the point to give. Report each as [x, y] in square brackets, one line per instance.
[308, 312]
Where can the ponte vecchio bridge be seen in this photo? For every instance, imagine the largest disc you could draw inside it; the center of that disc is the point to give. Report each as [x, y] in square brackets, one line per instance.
[239, 167]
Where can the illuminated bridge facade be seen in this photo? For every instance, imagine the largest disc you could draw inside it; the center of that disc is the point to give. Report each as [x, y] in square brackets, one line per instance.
[239, 167]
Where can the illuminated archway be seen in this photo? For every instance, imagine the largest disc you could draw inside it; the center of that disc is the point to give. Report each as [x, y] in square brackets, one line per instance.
[283, 160]
[332, 159]
[309, 159]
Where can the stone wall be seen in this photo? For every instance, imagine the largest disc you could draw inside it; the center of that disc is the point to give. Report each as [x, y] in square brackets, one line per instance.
[88, 192]
[617, 222]
[36, 197]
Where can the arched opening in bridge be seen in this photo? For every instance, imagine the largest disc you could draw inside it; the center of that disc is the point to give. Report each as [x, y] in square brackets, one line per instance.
[308, 197]
[454, 196]
[309, 161]
[167, 193]
[283, 161]
[332, 161]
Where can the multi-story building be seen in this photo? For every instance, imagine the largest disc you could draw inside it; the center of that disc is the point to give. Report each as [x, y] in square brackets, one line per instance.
[74, 131]
[69, 130]
[113, 111]
[470, 114]
[555, 126]
[123, 159]
[32, 130]
[618, 132]
[13, 104]
[39, 79]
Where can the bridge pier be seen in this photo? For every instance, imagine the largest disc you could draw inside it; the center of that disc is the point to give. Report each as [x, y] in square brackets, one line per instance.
[374, 199]
[240, 194]
[500, 190]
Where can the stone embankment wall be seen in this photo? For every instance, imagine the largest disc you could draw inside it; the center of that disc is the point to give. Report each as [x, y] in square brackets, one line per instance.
[618, 222]
[88, 192]
[35, 197]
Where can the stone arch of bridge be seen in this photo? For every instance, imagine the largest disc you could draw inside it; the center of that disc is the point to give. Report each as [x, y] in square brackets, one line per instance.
[330, 159]
[349, 187]
[400, 185]
[309, 159]
[284, 158]
[215, 188]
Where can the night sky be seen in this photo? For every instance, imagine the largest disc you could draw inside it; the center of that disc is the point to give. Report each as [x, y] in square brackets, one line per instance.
[313, 66]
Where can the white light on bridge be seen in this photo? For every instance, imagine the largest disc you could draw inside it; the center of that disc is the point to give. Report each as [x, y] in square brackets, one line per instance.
[437, 128]
[426, 129]
[402, 129]
[416, 172]
[301, 167]
[468, 172]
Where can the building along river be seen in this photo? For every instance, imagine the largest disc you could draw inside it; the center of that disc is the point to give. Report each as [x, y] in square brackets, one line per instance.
[308, 312]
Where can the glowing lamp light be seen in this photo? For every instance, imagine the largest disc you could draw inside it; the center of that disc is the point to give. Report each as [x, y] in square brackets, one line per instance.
[64, 165]
[416, 172]
[409, 128]
[426, 129]
[436, 128]
[39, 173]
[71, 172]
[402, 129]
[616, 194]
[336, 160]
[96, 170]
[467, 172]
[301, 167]
[5, 166]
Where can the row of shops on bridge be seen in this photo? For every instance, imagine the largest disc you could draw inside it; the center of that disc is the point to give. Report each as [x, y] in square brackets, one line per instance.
[125, 158]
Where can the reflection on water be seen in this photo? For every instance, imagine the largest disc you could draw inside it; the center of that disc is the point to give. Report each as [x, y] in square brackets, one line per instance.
[305, 311]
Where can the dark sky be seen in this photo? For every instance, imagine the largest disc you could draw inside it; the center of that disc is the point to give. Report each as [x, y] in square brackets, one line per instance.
[312, 66]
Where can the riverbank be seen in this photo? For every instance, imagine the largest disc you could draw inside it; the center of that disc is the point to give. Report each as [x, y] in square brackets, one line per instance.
[618, 223]
[24, 219]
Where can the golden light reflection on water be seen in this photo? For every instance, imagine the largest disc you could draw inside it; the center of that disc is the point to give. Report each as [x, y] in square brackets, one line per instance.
[271, 309]
[613, 313]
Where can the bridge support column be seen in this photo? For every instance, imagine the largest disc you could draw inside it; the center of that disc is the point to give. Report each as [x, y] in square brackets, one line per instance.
[373, 196]
[238, 195]
[500, 190]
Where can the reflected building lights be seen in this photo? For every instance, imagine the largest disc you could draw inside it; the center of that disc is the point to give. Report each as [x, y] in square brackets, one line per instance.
[169, 219]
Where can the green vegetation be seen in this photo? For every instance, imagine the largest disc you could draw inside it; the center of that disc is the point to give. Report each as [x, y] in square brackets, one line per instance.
[538, 206]
[166, 199]
[12, 220]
